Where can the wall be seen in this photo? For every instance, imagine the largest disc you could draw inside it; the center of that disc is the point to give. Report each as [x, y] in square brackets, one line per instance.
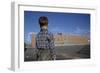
[64, 40]
[5, 36]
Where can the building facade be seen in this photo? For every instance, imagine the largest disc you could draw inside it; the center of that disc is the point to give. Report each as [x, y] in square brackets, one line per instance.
[65, 39]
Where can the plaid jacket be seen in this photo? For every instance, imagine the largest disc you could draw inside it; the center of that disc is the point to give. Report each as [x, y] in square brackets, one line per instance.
[45, 40]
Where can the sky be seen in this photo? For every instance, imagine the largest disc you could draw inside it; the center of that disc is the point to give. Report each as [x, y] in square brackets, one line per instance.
[74, 23]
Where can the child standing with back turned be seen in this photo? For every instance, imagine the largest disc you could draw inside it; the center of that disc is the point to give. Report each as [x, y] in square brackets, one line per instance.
[45, 41]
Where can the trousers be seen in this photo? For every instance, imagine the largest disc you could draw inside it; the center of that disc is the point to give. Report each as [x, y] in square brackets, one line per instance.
[44, 54]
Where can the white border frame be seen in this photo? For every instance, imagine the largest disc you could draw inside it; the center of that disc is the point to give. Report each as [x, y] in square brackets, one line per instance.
[17, 54]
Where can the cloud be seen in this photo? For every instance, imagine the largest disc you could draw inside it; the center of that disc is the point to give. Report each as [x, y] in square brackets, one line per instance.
[55, 29]
[28, 37]
[79, 30]
[82, 32]
[30, 33]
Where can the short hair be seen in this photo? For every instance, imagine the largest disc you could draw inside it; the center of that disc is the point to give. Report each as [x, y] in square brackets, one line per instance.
[43, 21]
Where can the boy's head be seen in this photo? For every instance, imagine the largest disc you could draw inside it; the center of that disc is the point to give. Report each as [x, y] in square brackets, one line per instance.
[43, 21]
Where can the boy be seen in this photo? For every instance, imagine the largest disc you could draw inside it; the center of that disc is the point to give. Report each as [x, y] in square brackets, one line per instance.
[45, 41]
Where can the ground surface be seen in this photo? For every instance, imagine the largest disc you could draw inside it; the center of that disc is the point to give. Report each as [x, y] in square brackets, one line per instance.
[63, 52]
